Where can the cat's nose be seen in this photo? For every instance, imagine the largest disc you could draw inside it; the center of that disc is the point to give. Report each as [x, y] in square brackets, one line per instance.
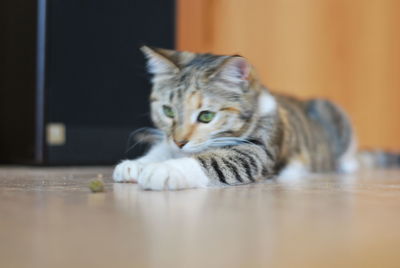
[180, 143]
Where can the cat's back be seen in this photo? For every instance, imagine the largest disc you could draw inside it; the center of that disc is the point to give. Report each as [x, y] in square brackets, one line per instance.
[317, 124]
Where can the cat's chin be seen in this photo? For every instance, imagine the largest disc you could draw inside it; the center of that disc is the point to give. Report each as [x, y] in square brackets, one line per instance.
[190, 151]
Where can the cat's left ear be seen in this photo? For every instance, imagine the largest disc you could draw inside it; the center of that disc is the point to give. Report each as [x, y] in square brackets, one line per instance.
[235, 69]
[160, 61]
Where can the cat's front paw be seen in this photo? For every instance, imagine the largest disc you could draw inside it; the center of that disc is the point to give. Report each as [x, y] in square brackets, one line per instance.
[173, 175]
[127, 171]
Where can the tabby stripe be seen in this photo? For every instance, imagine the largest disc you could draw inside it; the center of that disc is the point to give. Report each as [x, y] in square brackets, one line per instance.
[179, 93]
[220, 174]
[298, 123]
[171, 96]
[203, 163]
[265, 172]
[269, 154]
[252, 160]
[256, 142]
[302, 126]
[234, 169]
[225, 133]
[255, 158]
[252, 156]
[247, 168]
[267, 151]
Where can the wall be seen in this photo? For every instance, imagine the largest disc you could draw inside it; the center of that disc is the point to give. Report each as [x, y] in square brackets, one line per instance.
[348, 51]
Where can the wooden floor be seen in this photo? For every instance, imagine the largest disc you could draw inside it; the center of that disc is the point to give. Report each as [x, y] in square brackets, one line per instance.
[49, 218]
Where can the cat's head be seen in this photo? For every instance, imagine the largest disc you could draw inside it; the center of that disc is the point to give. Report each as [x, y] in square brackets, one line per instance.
[202, 100]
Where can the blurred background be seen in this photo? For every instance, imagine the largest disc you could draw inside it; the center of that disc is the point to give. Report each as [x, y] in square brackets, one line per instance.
[347, 51]
[73, 85]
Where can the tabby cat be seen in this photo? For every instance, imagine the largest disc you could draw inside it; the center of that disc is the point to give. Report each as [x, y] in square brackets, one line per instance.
[220, 125]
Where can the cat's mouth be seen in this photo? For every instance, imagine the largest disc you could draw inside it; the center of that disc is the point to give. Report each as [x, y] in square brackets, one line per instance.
[189, 147]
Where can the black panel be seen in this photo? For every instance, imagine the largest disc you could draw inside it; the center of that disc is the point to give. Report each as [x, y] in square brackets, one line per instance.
[95, 82]
[17, 79]
[98, 146]
[95, 70]
[96, 73]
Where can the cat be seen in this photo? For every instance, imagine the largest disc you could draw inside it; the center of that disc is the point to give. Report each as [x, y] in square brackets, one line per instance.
[222, 126]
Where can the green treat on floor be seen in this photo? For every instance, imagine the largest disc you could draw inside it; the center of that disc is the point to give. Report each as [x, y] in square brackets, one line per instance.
[96, 185]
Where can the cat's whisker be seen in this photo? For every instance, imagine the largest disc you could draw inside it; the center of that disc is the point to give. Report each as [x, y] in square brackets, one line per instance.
[227, 141]
[144, 135]
[133, 146]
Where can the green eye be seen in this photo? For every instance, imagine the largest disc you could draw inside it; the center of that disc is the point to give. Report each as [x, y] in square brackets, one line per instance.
[168, 111]
[206, 116]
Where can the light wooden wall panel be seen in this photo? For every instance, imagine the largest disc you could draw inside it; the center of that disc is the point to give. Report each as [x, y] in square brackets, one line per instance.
[348, 51]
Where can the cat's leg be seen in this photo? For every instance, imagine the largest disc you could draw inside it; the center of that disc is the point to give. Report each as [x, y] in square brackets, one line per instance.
[227, 166]
[240, 164]
[129, 170]
[173, 174]
[348, 162]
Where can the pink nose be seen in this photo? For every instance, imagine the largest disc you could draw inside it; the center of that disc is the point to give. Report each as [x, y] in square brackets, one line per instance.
[180, 143]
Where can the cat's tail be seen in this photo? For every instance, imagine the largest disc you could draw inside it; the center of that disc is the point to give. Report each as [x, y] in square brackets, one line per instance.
[378, 159]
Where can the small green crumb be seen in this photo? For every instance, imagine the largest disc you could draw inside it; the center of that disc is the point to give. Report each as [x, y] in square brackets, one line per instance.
[96, 185]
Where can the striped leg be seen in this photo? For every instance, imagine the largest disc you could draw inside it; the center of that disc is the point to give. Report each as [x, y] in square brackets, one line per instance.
[237, 165]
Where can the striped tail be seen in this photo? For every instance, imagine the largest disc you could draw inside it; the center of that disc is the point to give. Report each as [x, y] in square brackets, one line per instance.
[378, 159]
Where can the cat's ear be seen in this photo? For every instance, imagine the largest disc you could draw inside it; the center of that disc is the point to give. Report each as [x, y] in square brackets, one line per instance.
[160, 61]
[235, 69]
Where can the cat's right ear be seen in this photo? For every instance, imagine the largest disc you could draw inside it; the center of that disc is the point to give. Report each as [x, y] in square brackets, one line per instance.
[235, 69]
[160, 61]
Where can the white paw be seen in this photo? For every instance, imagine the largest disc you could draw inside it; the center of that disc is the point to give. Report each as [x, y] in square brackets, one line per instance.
[173, 175]
[127, 171]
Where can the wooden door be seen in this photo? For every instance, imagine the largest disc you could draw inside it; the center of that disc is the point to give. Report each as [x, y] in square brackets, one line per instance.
[347, 51]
